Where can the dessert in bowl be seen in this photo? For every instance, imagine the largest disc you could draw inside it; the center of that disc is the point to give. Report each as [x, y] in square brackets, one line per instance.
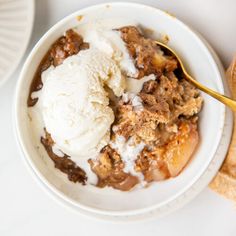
[116, 110]
[110, 123]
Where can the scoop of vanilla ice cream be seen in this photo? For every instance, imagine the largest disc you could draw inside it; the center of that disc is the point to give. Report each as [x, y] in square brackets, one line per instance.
[75, 104]
[110, 42]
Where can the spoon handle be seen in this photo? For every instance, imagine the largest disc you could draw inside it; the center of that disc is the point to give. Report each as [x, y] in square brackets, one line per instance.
[222, 98]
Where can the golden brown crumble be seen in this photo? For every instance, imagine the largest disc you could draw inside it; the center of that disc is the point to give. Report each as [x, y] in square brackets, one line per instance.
[167, 123]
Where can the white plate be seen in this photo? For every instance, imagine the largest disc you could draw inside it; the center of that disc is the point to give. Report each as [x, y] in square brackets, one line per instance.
[16, 21]
[162, 197]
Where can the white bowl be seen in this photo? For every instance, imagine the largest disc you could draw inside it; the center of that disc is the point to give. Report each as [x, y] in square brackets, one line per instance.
[161, 197]
[16, 24]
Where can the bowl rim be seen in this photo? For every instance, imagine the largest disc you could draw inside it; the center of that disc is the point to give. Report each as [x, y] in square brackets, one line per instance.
[20, 139]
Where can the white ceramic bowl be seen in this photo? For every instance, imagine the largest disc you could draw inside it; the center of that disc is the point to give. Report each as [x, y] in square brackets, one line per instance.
[161, 197]
[16, 24]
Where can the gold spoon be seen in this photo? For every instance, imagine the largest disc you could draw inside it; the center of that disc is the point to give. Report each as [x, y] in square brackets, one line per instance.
[222, 98]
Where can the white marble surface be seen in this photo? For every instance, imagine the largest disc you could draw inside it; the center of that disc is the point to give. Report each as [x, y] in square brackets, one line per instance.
[25, 209]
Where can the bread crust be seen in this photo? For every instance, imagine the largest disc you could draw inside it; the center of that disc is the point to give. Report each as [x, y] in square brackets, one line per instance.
[224, 182]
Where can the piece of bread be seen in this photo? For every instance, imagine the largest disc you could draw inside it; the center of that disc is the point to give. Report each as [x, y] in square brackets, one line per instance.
[225, 181]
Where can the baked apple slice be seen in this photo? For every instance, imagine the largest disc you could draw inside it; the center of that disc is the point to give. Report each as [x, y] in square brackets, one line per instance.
[181, 148]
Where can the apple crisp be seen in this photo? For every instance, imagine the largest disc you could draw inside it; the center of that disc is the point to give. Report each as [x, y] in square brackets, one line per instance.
[155, 131]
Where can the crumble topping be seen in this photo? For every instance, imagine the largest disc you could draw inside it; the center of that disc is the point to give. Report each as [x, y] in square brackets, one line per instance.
[155, 131]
